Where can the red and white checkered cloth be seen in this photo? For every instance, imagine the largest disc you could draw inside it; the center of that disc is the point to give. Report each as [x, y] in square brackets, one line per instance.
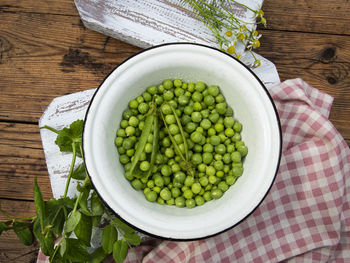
[306, 215]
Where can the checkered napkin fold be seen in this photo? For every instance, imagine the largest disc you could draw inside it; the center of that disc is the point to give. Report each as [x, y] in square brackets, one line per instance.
[306, 215]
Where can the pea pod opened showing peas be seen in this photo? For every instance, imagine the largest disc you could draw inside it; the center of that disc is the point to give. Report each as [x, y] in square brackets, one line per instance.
[180, 144]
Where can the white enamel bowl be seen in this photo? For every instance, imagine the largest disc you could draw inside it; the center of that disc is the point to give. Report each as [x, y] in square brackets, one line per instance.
[252, 106]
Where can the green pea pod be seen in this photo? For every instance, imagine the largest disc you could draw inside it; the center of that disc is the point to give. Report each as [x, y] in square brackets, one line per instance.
[154, 145]
[181, 131]
[143, 139]
[177, 149]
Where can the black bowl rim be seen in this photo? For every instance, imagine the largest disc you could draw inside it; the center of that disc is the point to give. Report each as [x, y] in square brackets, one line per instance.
[279, 155]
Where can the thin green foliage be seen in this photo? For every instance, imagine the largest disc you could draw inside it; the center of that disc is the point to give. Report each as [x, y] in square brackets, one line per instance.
[228, 29]
[60, 218]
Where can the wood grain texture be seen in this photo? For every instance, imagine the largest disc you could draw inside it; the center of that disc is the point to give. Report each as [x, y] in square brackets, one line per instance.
[11, 249]
[321, 60]
[21, 159]
[320, 16]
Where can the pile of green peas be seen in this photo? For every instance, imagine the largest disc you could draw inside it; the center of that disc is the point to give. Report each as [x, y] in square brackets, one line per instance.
[180, 144]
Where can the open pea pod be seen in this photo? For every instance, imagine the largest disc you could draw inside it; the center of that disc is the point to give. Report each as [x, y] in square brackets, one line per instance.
[150, 120]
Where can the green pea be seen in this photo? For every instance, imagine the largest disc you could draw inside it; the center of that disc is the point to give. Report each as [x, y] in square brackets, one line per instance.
[209, 100]
[140, 99]
[210, 171]
[237, 126]
[170, 119]
[200, 86]
[188, 110]
[166, 109]
[145, 166]
[216, 193]
[220, 98]
[214, 117]
[237, 171]
[243, 150]
[183, 100]
[124, 159]
[203, 180]
[175, 192]
[179, 177]
[185, 119]
[230, 180]
[196, 137]
[167, 84]
[208, 148]
[177, 83]
[236, 157]
[229, 132]
[180, 201]
[227, 158]
[147, 97]
[218, 165]
[189, 181]
[174, 129]
[136, 184]
[127, 114]
[220, 149]
[197, 96]
[207, 157]
[221, 107]
[205, 124]
[118, 141]
[169, 152]
[151, 196]
[196, 188]
[179, 91]
[188, 194]
[197, 106]
[190, 127]
[121, 133]
[166, 170]
[223, 186]
[165, 194]
[196, 158]
[121, 150]
[228, 122]
[133, 104]
[199, 200]
[190, 203]
[215, 140]
[196, 116]
[213, 90]
[143, 108]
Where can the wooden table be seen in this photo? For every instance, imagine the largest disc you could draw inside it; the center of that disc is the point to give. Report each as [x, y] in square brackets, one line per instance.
[46, 52]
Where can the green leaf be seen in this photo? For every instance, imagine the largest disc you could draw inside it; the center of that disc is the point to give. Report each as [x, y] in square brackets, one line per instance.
[83, 229]
[79, 173]
[120, 251]
[96, 220]
[39, 203]
[23, 233]
[83, 202]
[133, 239]
[46, 242]
[72, 222]
[67, 136]
[76, 250]
[4, 226]
[123, 226]
[96, 205]
[97, 256]
[63, 247]
[109, 236]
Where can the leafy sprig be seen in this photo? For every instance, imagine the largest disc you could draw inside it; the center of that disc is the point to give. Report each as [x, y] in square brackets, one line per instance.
[63, 226]
[228, 29]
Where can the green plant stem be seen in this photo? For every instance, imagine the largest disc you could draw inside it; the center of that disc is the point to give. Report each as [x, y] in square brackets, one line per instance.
[71, 169]
[49, 128]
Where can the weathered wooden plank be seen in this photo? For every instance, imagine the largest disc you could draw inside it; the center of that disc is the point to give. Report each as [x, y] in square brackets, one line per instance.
[320, 16]
[11, 249]
[64, 57]
[62, 7]
[321, 60]
[21, 159]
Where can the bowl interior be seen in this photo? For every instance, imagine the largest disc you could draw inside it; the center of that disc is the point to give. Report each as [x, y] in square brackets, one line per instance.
[191, 63]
